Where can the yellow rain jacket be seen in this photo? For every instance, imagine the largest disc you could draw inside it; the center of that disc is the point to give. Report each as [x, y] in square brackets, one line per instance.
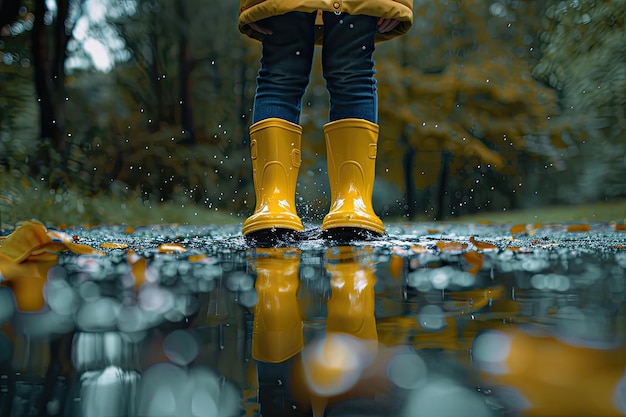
[254, 10]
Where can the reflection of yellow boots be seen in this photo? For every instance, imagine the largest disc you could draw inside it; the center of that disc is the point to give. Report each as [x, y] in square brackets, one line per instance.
[351, 146]
[351, 305]
[334, 366]
[275, 153]
[277, 328]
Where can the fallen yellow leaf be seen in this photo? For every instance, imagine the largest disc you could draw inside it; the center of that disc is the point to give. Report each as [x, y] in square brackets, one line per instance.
[578, 228]
[171, 247]
[43, 256]
[419, 249]
[518, 229]
[27, 237]
[481, 245]
[68, 241]
[113, 245]
[451, 246]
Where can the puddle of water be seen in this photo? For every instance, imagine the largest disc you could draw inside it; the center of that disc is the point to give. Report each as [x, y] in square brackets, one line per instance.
[458, 320]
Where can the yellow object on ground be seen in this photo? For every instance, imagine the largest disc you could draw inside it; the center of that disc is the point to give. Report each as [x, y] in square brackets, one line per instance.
[26, 256]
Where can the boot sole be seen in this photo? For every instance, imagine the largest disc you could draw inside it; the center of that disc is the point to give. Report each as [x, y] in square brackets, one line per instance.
[339, 221]
[350, 234]
[274, 237]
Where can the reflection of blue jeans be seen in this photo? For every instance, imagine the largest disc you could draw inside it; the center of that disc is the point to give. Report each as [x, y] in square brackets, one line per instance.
[347, 64]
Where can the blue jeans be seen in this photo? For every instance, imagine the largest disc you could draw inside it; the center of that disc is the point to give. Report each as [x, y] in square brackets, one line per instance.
[347, 65]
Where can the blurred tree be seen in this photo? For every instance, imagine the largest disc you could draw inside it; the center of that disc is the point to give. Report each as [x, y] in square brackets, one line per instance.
[583, 44]
[182, 94]
[49, 51]
[461, 82]
[484, 104]
[17, 104]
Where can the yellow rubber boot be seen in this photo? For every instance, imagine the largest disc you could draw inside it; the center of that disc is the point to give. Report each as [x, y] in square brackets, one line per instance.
[275, 153]
[277, 326]
[351, 146]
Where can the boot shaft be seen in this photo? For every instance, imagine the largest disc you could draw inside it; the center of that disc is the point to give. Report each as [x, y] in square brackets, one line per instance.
[275, 154]
[351, 147]
[352, 302]
[277, 332]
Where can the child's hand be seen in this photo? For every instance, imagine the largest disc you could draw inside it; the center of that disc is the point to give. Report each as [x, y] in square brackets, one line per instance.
[387, 25]
[260, 28]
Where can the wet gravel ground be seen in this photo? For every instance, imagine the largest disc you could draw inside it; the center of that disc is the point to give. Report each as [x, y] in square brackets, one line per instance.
[591, 237]
[164, 323]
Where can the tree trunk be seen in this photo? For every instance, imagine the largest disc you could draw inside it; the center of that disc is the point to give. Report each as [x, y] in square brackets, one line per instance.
[408, 165]
[443, 207]
[185, 62]
[155, 80]
[51, 109]
[49, 84]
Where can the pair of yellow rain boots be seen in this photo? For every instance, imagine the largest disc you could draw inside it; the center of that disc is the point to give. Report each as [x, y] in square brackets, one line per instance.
[329, 369]
[351, 146]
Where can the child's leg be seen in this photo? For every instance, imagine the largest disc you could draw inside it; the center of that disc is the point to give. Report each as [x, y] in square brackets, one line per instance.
[275, 134]
[348, 66]
[285, 66]
[352, 134]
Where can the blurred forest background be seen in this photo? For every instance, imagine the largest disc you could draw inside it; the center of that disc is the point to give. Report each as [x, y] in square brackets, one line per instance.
[486, 105]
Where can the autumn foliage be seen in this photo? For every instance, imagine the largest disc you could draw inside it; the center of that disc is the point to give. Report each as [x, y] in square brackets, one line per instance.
[483, 105]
